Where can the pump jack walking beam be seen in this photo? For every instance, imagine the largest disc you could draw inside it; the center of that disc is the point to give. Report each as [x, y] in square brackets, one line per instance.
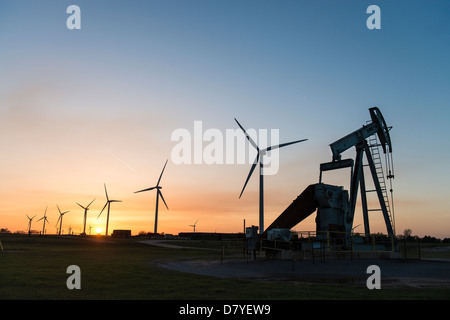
[378, 126]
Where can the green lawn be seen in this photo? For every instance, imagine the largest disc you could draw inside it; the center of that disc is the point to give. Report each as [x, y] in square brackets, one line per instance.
[35, 268]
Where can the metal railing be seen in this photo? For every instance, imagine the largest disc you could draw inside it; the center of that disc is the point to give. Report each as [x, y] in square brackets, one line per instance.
[310, 245]
[334, 242]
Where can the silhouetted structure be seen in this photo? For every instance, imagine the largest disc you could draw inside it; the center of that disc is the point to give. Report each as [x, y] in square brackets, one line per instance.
[193, 225]
[45, 220]
[210, 235]
[121, 234]
[60, 218]
[85, 215]
[335, 205]
[29, 224]
[108, 203]
[261, 153]
[158, 194]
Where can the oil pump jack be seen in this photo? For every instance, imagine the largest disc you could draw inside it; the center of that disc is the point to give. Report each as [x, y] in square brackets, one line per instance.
[377, 128]
[336, 206]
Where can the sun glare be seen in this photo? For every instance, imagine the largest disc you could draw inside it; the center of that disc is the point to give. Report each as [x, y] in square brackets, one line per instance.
[98, 230]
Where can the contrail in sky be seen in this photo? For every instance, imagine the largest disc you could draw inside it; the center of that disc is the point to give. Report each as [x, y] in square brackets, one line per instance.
[123, 162]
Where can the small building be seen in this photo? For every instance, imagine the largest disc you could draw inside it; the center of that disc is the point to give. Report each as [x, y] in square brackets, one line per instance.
[121, 234]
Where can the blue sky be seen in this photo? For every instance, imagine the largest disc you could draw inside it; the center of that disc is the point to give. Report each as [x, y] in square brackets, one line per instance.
[138, 70]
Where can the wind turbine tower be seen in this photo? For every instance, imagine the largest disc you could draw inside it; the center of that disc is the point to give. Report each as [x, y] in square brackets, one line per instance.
[29, 224]
[45, 219]
[85, 215]
[261, 153]
[60, 218]
[108, 203]
[158, 194]
[193, 225]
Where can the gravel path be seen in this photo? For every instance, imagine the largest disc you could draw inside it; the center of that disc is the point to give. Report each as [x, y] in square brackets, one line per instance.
[163, 243]
[415, 273]
[393, 272]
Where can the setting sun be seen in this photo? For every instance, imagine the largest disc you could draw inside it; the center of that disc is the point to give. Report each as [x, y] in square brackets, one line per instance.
[98, 230]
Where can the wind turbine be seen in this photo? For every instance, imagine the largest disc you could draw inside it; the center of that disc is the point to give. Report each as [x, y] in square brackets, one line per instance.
[45, 219]
[60, 218]
[85, 215]
[193, 225]
[158, 194]
[29, 224]
[261, 153]
[108, 203]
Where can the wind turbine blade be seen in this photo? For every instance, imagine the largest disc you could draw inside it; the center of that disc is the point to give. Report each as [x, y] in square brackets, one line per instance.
[28, 217]
[160, 193]
[162, 173]
[115, 200]
[64, 213]
[145, 189]
[250, 174]
[106, 193]
[58, 219]
[58, 209]
[81, 206]
[248, 137]
[90, 204]
[283, 145]
[40, 219]
[102, 210]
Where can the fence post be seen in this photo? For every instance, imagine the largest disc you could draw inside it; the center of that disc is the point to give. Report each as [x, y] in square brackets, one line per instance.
[328, 240]
[351, 252]
[404, 247]
[418, 241]
[293, 258]
[392, 242]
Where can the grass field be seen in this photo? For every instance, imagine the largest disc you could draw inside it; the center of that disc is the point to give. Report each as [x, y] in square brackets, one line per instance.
[35, 268]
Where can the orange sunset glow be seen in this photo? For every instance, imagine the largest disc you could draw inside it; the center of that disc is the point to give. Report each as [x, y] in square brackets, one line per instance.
[80, 109]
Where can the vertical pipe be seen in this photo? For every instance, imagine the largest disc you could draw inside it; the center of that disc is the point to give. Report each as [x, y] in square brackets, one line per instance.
[364, 203]
[328, 240]
[156, 211]
[107, 220]
[418, 241]
[245, 242]
[261, 198]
